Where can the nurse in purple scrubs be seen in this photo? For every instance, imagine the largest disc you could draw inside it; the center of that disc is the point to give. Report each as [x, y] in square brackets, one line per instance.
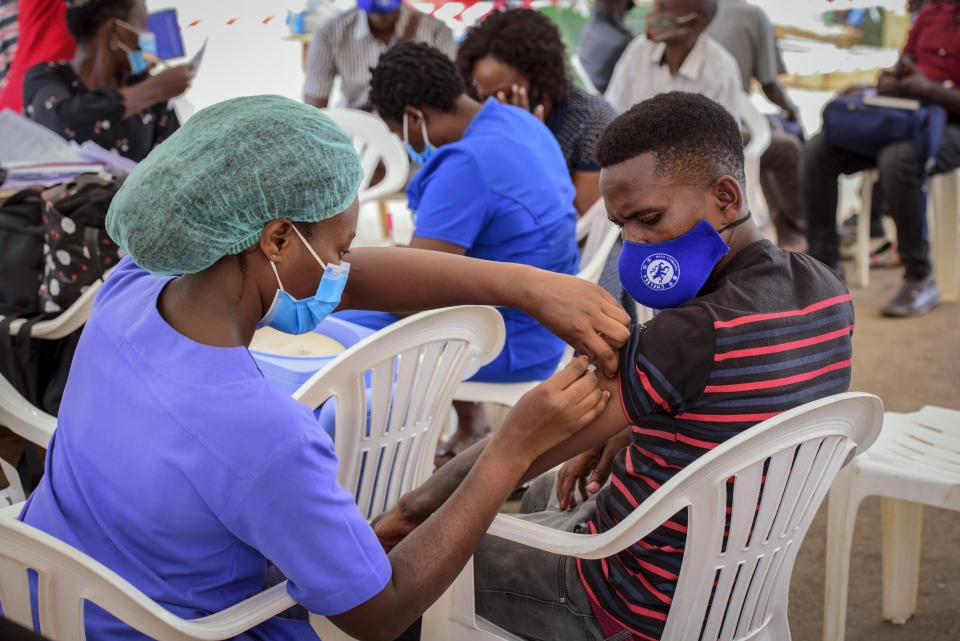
[178, 466]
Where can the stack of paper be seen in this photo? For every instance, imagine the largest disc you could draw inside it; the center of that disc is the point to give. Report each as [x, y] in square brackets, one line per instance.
[35, 156]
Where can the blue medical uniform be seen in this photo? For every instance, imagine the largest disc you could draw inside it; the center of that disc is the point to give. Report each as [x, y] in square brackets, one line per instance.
[178, 466]
[502, 192]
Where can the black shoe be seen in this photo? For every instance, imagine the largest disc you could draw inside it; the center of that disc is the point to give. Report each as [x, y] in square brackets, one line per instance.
[914, 298]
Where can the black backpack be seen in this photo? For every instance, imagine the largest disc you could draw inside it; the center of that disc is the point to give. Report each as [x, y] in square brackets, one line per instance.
[37, 368]
[21, 253]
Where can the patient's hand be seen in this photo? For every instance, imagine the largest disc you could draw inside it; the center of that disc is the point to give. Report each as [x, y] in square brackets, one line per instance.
[393, 526]
[588, 471]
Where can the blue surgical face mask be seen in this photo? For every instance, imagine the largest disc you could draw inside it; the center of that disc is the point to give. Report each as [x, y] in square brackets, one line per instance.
[147, 41]
[292, 316]
[665, 274]
[420, 157]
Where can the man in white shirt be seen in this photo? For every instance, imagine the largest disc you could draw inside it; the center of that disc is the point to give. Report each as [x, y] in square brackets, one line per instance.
[676, 55]
[350, 45]
[745, 31]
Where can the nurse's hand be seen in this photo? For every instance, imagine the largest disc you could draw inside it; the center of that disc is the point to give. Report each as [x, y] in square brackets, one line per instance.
[554, 410]
[582, 314]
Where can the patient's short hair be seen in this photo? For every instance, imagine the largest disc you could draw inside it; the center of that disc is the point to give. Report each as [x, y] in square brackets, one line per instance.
[694, 139]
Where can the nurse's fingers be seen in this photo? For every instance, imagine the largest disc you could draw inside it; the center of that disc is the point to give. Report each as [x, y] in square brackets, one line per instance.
[574, 371]
[600, 351]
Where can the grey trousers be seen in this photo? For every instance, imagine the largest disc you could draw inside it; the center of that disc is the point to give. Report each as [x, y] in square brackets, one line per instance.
[534, 594]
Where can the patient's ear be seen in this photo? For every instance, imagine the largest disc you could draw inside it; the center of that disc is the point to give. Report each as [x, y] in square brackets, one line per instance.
[729, 198]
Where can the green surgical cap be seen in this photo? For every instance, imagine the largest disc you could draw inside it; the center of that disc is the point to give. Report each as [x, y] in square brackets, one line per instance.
[208, 190]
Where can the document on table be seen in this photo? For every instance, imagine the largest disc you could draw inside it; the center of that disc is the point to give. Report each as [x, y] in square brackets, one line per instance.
[197, 59]
[27, 141]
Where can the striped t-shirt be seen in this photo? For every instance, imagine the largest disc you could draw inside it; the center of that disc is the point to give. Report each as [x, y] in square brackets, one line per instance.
[767, 333]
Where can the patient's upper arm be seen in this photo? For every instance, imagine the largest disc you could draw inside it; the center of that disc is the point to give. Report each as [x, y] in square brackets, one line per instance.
[611, 421]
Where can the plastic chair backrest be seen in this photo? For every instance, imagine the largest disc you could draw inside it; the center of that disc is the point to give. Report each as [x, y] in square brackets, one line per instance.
[780, 471]
[66, 578]
[26, 421]
[599, 236]
[582, 74]
[375, 144]
[67, 322]
[760, 136]
[414, 367]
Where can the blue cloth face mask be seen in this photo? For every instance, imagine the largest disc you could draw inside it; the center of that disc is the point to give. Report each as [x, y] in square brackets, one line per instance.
[147, 41]
[420, 157]
[665, 274]
[292, 316]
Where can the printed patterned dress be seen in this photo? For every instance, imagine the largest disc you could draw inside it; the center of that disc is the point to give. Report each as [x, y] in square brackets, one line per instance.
[55, 97]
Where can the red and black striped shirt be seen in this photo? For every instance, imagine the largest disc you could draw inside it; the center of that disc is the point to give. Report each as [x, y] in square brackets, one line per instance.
[768, 332]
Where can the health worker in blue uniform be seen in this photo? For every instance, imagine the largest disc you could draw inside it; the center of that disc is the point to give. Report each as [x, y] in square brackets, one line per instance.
[494, 185]
[178, 466]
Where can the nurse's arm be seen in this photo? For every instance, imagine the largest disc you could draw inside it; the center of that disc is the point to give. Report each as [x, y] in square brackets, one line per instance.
[418, 242]
[427, 561]
[418, 504]
[412, 280]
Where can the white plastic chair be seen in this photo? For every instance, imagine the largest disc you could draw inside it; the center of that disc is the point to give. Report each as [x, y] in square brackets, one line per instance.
[375, 144]
[413, 366]
[26, 421]
[943, 216]
[20, 415]
[944, 237]
[804, 449]
[915, 462]
[862, 250]
[67, 322]
[599, 236]
[759, 128]
[67, 578]
[582, 74]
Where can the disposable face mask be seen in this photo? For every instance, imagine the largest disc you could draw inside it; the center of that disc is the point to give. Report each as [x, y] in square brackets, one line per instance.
[662, 27]
[665, 274]
[292, 316]
[420, 157]
[147, 41]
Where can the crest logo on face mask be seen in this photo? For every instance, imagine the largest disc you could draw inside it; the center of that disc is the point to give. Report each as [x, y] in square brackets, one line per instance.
[660, 272]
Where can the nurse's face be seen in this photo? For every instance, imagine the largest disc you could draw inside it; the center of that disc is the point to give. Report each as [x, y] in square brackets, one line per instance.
[652, 206]
[330, 238]
[492, 76]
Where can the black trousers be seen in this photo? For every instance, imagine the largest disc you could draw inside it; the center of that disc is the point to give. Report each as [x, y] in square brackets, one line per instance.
[901, 188]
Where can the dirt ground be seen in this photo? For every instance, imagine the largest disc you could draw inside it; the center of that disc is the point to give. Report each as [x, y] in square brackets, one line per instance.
[908, 363]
